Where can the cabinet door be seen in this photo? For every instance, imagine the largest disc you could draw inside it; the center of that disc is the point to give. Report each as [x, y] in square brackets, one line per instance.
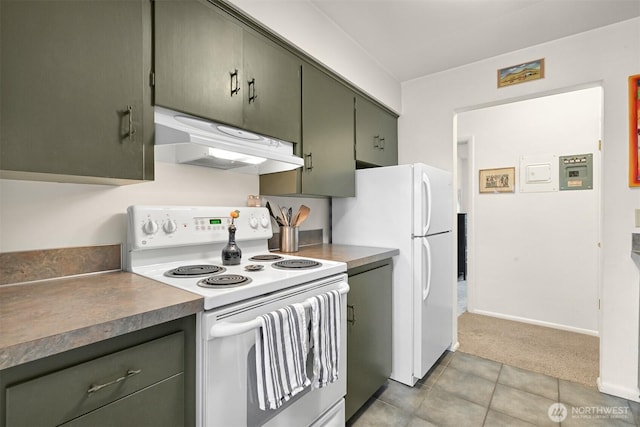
[368, 335]
[198, 61]
[327, 136]
[161, 404]
[95, 383]
[389, 132]
[70, 71]
[272, 100]
[376, 135]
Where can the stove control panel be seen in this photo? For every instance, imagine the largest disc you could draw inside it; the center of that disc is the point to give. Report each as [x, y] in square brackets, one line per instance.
[166, 226]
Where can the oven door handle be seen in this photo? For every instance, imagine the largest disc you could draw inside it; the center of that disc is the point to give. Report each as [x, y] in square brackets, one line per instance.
[228, 329]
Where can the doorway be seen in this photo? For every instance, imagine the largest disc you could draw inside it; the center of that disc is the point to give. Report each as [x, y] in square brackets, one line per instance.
[462, 203]
[533, 254]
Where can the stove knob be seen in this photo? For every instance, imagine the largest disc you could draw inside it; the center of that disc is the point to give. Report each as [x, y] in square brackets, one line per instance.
[150, 227]
[170, 227]
[264, 221]
[253, 222]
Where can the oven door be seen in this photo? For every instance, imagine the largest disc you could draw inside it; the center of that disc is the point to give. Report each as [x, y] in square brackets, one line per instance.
[228, 371]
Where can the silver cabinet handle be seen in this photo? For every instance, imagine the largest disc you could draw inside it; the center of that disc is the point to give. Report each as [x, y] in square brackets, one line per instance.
[235, 88]
[129, 373]
[382, 141]
[252, 90]
[376, 141]
[351, 319]
[310, 163]
[132, 130]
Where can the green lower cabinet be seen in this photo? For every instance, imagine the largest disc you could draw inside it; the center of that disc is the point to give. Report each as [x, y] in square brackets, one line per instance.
[368, 332]
[144, 378]
[141, 408]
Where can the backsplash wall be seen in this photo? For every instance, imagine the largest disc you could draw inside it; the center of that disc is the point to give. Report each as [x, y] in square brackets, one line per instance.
[44, 215]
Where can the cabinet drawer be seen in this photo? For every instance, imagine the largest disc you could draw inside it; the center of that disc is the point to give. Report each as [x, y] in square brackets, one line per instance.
[146, 407]
[68, 393]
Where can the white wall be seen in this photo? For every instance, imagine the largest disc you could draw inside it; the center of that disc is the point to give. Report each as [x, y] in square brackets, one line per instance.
[535, 255]
[606, 57]
[47, 215]
[304, 26]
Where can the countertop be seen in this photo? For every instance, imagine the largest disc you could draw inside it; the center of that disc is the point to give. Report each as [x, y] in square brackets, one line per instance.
[354, 256]
[47, 317]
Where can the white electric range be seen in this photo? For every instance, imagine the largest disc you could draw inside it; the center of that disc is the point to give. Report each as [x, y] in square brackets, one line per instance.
[181, 246]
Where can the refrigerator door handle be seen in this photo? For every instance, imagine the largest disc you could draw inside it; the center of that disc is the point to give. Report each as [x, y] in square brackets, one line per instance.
[426, 197]
[427, 287]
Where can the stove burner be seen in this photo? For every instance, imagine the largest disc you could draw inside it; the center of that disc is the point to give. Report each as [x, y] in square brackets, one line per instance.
[288, 264]
[195, 270]
[224, 281]
[269, 257]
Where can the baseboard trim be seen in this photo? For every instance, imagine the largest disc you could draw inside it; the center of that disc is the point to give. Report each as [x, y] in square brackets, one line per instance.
[537, 322]
[623, 392]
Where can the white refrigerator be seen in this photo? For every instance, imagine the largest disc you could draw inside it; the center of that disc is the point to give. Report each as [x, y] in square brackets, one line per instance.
[408, 207]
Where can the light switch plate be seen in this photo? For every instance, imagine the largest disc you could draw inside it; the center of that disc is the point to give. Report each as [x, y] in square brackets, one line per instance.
[539, 173]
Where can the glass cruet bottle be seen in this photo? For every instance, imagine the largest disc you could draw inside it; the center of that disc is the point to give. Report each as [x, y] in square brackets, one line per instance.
[231, 253]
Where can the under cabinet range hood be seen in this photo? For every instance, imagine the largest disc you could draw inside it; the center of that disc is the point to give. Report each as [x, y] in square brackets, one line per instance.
[181, 138]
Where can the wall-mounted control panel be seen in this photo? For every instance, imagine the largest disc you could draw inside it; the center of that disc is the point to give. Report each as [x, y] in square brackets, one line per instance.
[576, 172]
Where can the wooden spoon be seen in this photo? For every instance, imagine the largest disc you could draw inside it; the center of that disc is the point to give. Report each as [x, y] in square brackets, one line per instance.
[301, 215]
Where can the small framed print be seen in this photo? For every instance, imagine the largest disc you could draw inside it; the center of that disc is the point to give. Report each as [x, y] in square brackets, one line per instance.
[498, 180]
[634, 130]
[532, 70]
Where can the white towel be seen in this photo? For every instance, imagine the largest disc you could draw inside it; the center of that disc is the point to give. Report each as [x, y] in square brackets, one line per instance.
[282, 345]
[325, 332]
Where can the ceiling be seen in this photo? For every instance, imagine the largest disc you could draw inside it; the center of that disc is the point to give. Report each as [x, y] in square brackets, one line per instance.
[413, 38]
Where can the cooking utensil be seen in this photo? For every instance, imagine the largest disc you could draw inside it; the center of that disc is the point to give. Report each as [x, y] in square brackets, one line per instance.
[295, 219]
[277, 219]
[284, 217]
[301, 215]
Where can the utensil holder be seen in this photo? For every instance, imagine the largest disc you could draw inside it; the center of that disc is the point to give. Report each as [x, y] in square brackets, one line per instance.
[288, 239]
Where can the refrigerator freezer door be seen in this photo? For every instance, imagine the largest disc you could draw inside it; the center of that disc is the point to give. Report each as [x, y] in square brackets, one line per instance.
[432, 200]
[380, 216]
[433, 300]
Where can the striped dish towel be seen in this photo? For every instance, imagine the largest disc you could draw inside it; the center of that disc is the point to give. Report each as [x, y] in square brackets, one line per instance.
[282, 345]
[325, 332]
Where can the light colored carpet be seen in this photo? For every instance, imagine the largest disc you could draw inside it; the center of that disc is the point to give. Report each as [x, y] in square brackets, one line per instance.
[562, 354]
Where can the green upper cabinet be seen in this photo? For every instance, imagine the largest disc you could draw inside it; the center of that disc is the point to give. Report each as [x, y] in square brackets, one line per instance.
[210, 65]
[327, 141]
[76, 101]
[198, 60]
[376, 135]
[272, 100]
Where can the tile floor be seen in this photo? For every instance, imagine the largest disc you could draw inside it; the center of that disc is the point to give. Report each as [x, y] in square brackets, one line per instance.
[465, 390]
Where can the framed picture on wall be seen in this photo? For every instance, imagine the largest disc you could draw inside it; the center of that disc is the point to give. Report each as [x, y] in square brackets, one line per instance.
[501, 180]
[532, 70]
[634, 130]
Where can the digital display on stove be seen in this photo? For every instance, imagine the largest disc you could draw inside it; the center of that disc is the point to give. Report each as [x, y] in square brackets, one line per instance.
[215, 221]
